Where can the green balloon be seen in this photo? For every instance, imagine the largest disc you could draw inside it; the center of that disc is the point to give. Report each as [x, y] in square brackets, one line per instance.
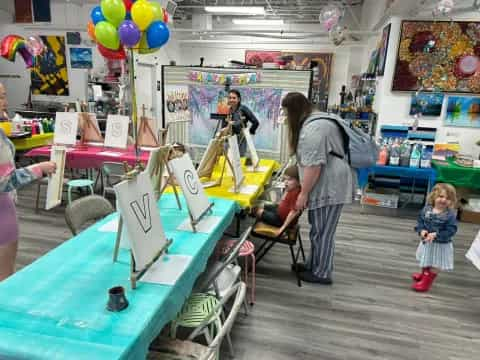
[157, 11]
[107, 35]
[114, 11]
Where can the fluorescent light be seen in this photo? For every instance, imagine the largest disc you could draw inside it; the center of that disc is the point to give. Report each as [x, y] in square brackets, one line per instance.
[236, 10]
[257, 22]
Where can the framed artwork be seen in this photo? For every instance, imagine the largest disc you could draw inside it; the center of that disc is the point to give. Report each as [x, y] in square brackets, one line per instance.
[50, 75]
[382, 50]
[427, 104]
[81, 58]
[438, 56]
[463, 111]
[258, 57]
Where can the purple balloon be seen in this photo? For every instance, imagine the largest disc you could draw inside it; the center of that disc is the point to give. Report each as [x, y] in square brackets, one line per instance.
[129, 33]
[27, 57]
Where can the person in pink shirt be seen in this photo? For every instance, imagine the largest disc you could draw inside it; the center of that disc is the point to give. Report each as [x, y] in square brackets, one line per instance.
[10, 180]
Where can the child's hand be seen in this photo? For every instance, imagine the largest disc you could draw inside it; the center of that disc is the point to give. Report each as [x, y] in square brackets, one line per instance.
[430, 237]
[423, 234]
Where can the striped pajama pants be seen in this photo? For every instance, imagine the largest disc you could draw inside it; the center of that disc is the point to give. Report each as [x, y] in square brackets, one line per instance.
[323, 222]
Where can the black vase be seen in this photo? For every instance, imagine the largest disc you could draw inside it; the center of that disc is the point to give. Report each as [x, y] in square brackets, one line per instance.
[116, 299]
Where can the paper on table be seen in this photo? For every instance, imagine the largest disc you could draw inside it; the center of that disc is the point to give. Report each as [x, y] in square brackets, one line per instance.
[110, 153]
[206, 225]
[167, 269]
[245, 189]
[258, 169]
[110, 226]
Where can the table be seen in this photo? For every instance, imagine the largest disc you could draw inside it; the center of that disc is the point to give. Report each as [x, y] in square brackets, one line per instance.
[458, 176]
[24, 144]
[55, 307]
[93, 157]
[428, 174]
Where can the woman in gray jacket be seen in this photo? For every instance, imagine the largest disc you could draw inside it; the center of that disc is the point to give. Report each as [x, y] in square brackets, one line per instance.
[326, 179]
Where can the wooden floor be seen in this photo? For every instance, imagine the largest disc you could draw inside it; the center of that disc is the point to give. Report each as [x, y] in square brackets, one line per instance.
[369, 312]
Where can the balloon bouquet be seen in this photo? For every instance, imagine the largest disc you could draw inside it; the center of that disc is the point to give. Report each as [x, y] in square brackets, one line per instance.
[330, 17]
[139, 25]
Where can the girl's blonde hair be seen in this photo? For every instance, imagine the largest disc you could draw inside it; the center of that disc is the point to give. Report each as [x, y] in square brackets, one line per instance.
[449, 190]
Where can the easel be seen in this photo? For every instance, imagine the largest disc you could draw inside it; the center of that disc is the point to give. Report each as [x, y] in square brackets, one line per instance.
[136, 274]
[146, 135]
[236, 187]
[89, 130]
[164, 154]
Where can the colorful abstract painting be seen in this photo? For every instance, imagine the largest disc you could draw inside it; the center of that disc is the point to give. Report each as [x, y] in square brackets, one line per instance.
[49, 75]
[427, 104]
[463, 111]
[258, 57]
[264, 103]
[438, 56]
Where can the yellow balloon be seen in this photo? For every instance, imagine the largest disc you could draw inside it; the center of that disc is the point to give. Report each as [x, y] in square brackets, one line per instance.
[142, 14]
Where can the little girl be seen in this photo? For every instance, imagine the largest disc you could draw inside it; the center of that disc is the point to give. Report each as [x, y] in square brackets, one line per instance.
[436, 226]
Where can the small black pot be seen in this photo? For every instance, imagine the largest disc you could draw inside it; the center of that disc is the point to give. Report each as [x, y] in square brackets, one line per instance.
[116, 299]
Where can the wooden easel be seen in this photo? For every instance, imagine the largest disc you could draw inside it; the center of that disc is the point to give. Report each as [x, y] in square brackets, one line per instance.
[136, 274]
[164, 154]
[89, 130]
[146, 135]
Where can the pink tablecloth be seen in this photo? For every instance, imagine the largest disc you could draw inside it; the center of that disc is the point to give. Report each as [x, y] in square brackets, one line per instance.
[93, 156]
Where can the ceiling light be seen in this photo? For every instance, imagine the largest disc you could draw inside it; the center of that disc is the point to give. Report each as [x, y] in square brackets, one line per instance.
[257, 22]
[236, 10]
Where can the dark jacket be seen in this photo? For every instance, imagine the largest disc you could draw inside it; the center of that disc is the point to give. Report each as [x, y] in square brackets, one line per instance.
[444, 224]
[241, 117]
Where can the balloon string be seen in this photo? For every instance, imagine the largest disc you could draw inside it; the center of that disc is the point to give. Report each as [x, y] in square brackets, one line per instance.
[134, 101]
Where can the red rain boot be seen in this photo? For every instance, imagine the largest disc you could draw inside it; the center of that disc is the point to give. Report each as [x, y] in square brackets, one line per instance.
[426, 283]
[419, 275]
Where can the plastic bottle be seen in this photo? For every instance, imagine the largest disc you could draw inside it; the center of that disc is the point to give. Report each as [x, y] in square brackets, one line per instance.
[426, 158]
[415, 156]
[383, 155]
[395, 153]
[405, 150]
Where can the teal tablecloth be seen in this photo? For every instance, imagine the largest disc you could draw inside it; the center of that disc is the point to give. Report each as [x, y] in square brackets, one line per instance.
[55, 308]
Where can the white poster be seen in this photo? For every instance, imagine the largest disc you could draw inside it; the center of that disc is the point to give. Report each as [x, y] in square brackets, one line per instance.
[176, 103]
[140, 215]
[116, 132]
[473, 254]
[190, 184]
[234, 156]
[66, 127]
[55, 181]
[251, 147]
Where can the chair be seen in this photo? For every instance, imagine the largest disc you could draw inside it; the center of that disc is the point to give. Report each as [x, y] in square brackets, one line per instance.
[246, 250]
[85, 209]
[210, 288]
[169, 349]
[112, 173]
[287, 234]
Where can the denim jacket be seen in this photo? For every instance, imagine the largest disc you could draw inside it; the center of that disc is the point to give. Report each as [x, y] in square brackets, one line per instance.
[444, 224]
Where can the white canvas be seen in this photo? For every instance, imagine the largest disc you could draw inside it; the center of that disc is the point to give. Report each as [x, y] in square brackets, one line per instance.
[116, 132]
[190, 184]
[473, 254]
[137, 204]
[55, 181]
[251, 147]
[234, 156]
[66, 127]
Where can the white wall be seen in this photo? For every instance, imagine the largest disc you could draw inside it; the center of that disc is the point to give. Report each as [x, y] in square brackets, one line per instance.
[345, 59]
[394, 107]
[65, 17]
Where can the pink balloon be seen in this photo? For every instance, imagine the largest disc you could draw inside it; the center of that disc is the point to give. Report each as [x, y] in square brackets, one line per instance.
[35, 45]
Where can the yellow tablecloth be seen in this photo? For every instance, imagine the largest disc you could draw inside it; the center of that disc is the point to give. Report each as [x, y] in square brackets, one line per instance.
[259, 178]
[33, 142]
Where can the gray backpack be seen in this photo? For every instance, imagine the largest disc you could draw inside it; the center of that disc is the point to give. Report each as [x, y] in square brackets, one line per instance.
[361, 148]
